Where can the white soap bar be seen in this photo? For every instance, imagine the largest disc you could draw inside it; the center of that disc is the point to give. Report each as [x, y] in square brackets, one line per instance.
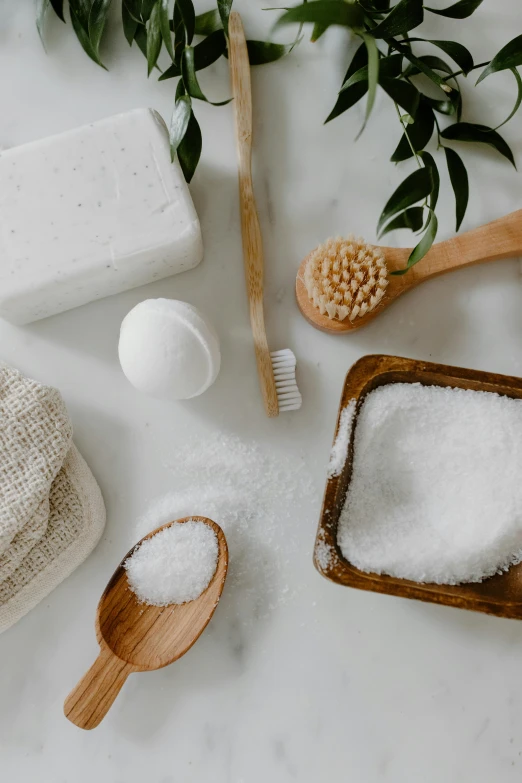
[90, 213]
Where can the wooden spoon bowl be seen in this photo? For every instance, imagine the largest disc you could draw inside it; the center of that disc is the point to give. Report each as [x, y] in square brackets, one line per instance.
[137, 637]
[499, 239]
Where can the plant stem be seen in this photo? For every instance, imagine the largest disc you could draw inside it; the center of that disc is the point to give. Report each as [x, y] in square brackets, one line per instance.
[404, 127]
[459, 73]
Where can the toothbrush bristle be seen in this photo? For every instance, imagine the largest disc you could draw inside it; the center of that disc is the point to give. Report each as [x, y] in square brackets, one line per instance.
[283, 365]
[345, 278]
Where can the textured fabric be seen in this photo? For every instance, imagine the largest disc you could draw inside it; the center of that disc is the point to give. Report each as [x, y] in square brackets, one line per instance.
[53, 521]
[35, 436]
[24, 541]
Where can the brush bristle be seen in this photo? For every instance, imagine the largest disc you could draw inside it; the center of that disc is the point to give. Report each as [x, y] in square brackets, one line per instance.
[283, 365]
[345, 278]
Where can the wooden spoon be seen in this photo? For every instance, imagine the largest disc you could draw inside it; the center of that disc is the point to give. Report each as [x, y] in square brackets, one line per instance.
[136, 637]
[499, 239]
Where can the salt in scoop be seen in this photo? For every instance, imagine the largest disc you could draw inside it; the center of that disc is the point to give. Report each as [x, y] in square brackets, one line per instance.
[137, 637]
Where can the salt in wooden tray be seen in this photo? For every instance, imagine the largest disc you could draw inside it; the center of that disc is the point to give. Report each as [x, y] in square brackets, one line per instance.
[499, 595]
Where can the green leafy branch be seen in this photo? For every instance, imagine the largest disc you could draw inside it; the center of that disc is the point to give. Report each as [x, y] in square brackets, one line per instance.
[386, 59]
[170, 26]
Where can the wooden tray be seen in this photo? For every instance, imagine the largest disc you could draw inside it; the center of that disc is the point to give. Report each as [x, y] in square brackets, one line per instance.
[500, 595]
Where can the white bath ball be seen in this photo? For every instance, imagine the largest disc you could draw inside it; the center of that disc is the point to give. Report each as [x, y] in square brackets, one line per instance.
[168, 349]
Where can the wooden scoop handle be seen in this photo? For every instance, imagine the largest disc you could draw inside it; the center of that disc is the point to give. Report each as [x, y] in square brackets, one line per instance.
[88, 703]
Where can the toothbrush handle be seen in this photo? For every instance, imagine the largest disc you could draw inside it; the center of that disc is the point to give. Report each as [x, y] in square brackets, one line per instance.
[250, 228]
[499, 239]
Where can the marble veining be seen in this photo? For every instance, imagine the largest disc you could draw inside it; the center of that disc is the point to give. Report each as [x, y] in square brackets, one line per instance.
[302, 680]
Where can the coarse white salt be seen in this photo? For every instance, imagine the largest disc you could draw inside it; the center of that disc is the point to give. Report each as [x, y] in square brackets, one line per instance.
[175, 565]
[264, 501]
[323, 552]
[436, 491]
[341, 444]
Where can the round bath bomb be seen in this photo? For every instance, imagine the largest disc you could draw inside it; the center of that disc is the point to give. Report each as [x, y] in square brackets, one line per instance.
[168, 349]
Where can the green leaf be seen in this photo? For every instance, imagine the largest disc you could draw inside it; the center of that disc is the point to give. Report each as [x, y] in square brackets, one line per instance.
[261, 52]
[97, 22]
[419, 133]
[190, 80]
[373, 76]
[82, 9]
[348, 98]
[420, 250]
[403, 17]
[179, 122]
[133, 8]
[140, 36]
[391, 66]
[433, 62]
[429, 162]
[164, 23]
[57, 6]
[207, 23]
[518, 99]
[317, 31]
[189, 150]
[359, 60]
[147, 6]
[460, 10]
[359, 76]
[180, 90]
[509, 57]
[325, 13]
[412, 218]
[459, 182]
[130, 23]
[388, 67]
[180, 36]
[403, 93]
[417, 186]
[206, 52]
[224, 7]
[468, 131]
[456, 51]
[153, 37]
[452, 105]
[423, 68]
[83, 36]
[41, 10]
[188, 15]
[210, 49]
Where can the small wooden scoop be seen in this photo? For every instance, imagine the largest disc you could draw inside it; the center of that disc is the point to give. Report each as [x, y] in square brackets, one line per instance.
[136, 637]
[499, 239]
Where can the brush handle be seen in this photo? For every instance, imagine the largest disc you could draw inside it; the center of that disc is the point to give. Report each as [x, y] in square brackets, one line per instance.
[88, 703]
[250, 228]
[499, 239]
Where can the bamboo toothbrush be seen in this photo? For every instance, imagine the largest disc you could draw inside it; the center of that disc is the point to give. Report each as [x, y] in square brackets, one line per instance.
[345, 283]
[276, 369]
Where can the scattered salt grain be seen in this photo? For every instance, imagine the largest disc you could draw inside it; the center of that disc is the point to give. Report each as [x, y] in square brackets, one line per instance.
[323, 553]
[267, 504]
[174, 566]
[436, 491]
[342, 441]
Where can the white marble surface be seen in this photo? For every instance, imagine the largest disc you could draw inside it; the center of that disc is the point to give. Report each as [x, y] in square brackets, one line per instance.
[331, 683]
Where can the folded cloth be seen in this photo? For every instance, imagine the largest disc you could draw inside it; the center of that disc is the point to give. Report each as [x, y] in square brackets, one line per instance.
[51, 509]
[35, 436]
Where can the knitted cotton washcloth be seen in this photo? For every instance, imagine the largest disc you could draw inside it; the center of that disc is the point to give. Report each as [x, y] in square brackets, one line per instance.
[35, 436]
[51, 510]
